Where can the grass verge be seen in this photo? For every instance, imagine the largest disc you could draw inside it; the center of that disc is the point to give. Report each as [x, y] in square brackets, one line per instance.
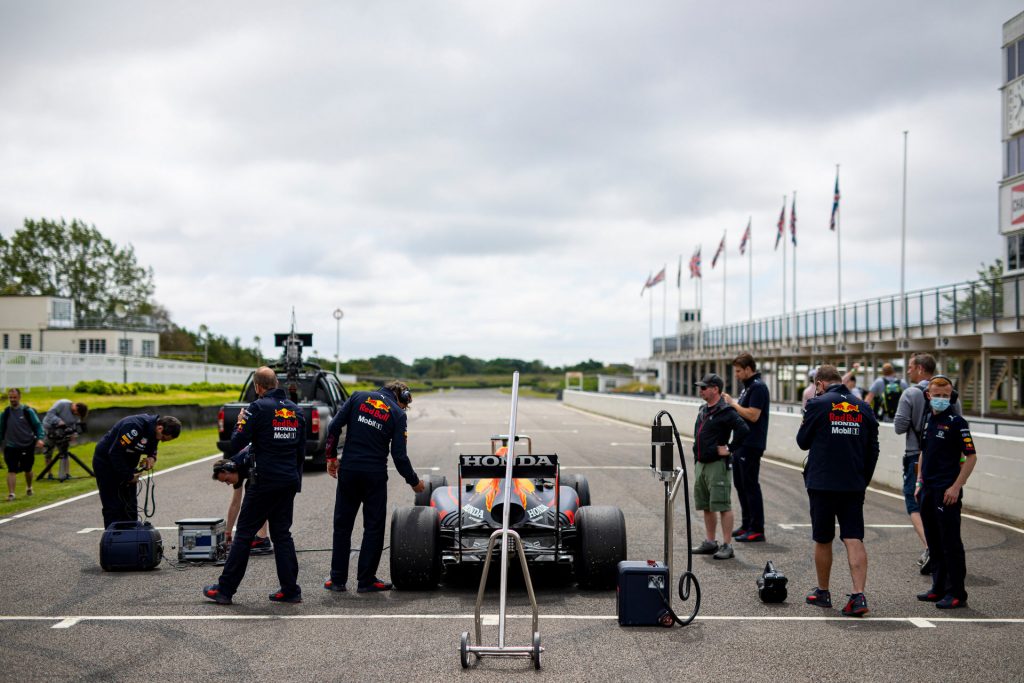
[191, 445]
[42, 399]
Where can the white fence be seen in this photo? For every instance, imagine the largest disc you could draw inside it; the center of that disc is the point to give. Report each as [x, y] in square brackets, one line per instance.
[27, 369]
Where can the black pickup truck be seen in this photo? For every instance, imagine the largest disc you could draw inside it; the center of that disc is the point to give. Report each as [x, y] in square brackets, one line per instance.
[319, 395]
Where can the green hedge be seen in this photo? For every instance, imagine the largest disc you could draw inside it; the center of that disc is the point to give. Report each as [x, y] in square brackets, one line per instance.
[103, 388]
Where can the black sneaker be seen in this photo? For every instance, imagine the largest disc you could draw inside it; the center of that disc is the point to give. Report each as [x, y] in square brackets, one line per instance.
[751, 537]
[706, 548]
[261, 546]
[929, 596]
[377, 586]
[280, 596]
[820, 598]
[739, 532]
[330, 585]
[857, 606]
[949, 602]
[213, 593]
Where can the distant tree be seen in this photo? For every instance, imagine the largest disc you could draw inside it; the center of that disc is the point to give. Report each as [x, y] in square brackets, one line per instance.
[75, 261]
[987, 295]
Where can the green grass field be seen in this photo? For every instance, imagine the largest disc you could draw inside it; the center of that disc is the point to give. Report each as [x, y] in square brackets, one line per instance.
[191, 445]
[41, 399]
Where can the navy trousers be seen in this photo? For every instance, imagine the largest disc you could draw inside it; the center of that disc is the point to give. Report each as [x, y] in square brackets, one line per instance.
[264, 504]
[369, 489]
[119, 500]
[942, 534]
[746, 470]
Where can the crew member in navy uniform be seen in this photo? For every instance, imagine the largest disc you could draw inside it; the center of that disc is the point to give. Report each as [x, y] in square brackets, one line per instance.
[752, 406]
[117, 457]
[376, 424]
[841, 433]
[276, 429]
[947, 459]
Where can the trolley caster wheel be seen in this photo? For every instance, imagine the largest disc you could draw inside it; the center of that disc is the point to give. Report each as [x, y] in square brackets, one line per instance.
[536, 650]
[464, 650]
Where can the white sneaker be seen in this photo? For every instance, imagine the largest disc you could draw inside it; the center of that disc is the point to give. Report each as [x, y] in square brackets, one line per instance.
[10, 496]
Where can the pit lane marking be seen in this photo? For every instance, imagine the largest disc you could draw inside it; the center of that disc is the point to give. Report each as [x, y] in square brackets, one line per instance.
[93, 493]
[790, 527]
[66, 622]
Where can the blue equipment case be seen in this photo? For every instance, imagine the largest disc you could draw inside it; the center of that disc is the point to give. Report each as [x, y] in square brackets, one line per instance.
[642, 593]
[130, 546]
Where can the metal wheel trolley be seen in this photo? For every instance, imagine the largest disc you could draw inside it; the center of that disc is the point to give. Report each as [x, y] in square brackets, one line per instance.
[507, 537]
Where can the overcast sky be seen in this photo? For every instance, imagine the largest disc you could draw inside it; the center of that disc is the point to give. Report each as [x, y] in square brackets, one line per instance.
[499, 179]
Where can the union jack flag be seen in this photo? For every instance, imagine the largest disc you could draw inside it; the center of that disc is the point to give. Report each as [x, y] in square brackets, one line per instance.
[695, 264]
[660, 277]
[835, 203]
[646, 284]
[745, 239]
[782, 224]
[792, 221]
[721, 248]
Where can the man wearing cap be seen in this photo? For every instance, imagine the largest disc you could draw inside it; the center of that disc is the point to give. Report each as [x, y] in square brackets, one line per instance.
[712, 487]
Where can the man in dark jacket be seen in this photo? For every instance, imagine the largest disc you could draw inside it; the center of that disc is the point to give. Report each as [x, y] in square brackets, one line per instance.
[947, 459]
[276, 429]
[712, 486]
[841, 433]
[118, 455]
[376, 424]
[752, 406]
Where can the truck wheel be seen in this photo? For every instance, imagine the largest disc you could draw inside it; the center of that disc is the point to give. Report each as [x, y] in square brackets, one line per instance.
[415, 548]
[601, 534]
[580, 484]
[431, 482]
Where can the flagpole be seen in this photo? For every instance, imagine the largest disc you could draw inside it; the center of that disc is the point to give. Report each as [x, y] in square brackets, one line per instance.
[792, 213]
[664, 313]
[724, 280]
[903, 246]
[750, 281]
[650, 320]
[839, 271]
[679, 298]
[785, 329]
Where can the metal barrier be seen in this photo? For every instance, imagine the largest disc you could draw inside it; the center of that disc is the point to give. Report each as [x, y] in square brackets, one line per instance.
[972, 307]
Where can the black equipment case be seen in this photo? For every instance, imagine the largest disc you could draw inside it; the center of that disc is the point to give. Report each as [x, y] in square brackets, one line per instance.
[642, 593]
[130, 546]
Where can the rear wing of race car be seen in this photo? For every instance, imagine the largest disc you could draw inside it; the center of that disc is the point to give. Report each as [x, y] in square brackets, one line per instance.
[525, 466]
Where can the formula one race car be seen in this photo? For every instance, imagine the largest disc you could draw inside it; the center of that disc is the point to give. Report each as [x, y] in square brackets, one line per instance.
[450, 526]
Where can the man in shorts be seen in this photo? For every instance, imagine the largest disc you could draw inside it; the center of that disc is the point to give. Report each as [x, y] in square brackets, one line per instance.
[841, 433]
[712, 487]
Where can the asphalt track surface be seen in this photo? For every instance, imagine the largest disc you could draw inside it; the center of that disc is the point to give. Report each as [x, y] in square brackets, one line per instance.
[62, 618]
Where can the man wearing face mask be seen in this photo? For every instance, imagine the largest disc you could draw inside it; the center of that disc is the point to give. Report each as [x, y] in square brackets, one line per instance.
[841, 433]
[911, 414]
[947, 460]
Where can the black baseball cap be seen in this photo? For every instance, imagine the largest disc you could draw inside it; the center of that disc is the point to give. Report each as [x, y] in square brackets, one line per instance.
[711, 380]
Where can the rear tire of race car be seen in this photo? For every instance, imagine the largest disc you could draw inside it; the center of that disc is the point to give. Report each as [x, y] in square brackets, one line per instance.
[601, 535]
[579, 483]
[431, 482]
[415, 548]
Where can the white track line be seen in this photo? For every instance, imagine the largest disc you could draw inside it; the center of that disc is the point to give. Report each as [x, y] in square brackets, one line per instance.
[790, 527]
[64, 622]
[93, 493]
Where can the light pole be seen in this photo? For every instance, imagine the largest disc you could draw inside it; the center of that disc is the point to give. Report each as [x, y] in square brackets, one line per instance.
[122, 312]
[338, 315]
[204, 332]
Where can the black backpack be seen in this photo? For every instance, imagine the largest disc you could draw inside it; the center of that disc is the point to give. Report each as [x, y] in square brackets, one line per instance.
[891, 393]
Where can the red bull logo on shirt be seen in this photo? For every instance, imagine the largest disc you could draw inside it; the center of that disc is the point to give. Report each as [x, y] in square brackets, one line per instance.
[377, 409]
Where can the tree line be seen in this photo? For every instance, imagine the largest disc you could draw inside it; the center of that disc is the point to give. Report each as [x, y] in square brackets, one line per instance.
[461, 366]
